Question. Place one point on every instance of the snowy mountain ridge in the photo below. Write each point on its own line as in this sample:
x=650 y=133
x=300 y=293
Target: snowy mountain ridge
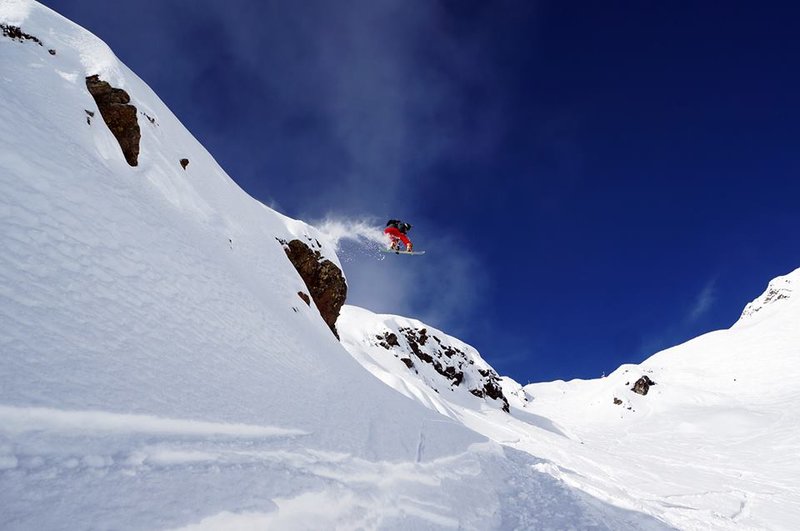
x=779 y=289
x=422 y=362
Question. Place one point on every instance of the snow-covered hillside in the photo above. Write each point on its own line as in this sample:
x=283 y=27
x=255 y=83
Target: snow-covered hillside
x=157 y=366
x=421 y=362
x=713 y=444
x=717 y=433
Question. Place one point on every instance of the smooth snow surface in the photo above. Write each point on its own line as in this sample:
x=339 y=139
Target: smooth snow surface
x=157 y=367
x=714 y=444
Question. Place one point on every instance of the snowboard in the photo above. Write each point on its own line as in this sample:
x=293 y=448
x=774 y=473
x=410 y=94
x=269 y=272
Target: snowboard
x=401 y=252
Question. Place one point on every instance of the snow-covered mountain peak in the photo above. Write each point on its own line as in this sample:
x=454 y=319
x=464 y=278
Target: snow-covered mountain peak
x=778 y=294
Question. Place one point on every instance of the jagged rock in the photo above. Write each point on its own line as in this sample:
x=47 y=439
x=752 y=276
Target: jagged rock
x=617 y=401
x=642 y=385
x=323 y=279
x=493 y=390
x=15 y=33
x=414 y=339
x=779 y=289
x=184 y=163
x=417 y=339
x=388 y=340
x=446 y=360
x=422 y=337
x=305 y=297
x=119 y=115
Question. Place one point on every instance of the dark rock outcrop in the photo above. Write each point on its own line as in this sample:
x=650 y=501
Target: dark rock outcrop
x=184 y=163
x=417 y=339
x=642 y=385
x=305 y=297
x=323 y=279
x=447 y=360
x=15 y=33
x=492 y=389
x=119 y=115
x=388 y=340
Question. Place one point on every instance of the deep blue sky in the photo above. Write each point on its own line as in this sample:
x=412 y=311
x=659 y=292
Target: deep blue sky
x=593 y=181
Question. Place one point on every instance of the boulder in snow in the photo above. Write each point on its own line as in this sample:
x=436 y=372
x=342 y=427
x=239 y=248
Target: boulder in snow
x=642 y=385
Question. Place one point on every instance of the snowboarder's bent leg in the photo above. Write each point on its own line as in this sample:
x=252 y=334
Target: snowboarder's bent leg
x=395 y=234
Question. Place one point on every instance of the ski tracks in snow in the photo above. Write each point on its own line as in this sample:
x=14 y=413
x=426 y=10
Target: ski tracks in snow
x=18 y=420
x=48 y=442
x=102 y=470
x=57 y=467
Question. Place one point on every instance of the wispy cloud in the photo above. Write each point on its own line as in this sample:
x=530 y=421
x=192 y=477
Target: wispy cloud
x=362 y=95
x=684 y=327
x=704 y=301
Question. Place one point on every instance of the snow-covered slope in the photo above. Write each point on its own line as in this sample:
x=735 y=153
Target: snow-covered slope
x=714 y=443
x=779 y=289
x=421 y=362
x=157 y=367
x=717 y=433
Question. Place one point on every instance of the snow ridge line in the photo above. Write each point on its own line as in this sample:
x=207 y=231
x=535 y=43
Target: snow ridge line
x=16 y=420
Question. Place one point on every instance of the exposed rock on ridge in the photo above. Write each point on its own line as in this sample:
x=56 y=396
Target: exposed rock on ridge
x=324 y=280
x=15 y=33
x=449 y=361
x=119 y=115
x=780 y=288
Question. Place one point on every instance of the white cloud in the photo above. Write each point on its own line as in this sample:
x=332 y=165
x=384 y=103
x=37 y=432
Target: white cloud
x=705 y=299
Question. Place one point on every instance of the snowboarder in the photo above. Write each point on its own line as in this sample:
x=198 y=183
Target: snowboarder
x=396 y=230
